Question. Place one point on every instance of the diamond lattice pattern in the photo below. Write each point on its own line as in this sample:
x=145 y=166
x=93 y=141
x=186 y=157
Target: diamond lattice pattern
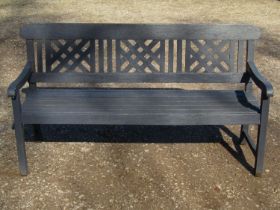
x=70 y=55
x=140 y=56
x=209 y=56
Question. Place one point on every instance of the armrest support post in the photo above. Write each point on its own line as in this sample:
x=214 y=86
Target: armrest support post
x=259 y=80
x=20 y=80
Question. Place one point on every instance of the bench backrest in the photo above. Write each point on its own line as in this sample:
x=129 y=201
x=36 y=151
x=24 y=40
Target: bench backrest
x=139 y=53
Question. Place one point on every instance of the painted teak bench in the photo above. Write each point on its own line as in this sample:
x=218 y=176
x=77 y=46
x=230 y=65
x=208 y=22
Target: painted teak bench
x=131 y=53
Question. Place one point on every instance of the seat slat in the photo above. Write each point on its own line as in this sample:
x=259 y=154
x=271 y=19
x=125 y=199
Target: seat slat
x=137 y=110
x=132 y=106
x=163 y=119
x=179 y=94
x=136 y=77
x=123 y=102
x=145 y=104
x=157 y=101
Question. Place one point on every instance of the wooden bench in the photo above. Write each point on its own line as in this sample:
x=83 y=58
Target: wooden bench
x=130 y=53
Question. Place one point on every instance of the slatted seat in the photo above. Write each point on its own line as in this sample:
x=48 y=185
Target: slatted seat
x=139 y=107
x=138 y=53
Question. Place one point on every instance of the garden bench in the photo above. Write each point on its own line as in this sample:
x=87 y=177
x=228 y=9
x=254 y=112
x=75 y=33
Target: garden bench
x=132 y=53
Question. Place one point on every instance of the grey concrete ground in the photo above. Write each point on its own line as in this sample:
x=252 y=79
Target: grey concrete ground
x=138 y=167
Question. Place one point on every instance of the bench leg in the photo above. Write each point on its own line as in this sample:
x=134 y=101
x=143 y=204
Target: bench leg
x=21 y=149
x=244 y=128
x=260 y=149
x=19 y=131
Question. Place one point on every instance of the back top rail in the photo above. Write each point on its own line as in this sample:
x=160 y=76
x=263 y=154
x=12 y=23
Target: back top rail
x=139 y=31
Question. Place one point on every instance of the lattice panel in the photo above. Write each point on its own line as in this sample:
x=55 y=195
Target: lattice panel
x=68 y=55
x=209 y=56
x=141 y=56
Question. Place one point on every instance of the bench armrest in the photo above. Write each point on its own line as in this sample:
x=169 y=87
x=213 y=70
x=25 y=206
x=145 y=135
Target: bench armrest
x=259 y=79
x=20 y=80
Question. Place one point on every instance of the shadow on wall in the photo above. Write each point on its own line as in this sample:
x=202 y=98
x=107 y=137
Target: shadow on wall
x=141 y=134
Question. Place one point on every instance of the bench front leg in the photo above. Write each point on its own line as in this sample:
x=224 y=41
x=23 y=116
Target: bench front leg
x=262 y=127
x=19 y=131
x=254 y=75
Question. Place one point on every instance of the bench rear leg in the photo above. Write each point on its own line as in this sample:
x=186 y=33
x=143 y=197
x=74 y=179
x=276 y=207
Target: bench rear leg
x=244 y=128
x=19 y=131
